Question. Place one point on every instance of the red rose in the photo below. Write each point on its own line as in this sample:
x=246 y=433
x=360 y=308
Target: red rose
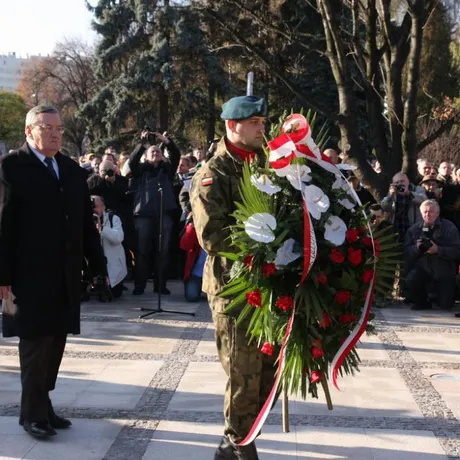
x=248 y=261
x=342 y=297
x=355 y=256
x=326 y=322
x=317 y=352
x=337 y=256
x=267 y=349
x=352 y=235
x=268 y=270
x=321 y=277
x=367 y=241
x=254 y=298
x=285 y=302
x=315 y=377
x=368 y=275
x=347 y=318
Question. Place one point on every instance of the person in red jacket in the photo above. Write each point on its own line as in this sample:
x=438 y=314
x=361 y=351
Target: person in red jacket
x=194 y=265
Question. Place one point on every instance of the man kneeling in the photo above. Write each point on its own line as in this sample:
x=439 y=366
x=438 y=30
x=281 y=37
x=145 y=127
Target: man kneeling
x=111 y=231
x=432 y=251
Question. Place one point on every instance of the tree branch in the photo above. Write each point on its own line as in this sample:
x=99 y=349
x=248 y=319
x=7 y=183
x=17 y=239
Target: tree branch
x=441 y=130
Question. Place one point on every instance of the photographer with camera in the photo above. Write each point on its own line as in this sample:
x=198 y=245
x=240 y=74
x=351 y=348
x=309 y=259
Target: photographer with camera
x=432 y=249
x=109 y=227
x=403 y=201
x=154 y=206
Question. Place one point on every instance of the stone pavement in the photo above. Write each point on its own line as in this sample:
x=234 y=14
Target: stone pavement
x=153 y=390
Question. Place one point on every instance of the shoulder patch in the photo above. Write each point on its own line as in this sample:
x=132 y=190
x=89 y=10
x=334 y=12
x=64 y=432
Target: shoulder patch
x=207 y=181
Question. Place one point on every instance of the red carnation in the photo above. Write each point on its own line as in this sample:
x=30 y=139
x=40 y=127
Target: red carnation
x=326 y=322
x=248 y=261
x=342 y=297
x=355 y=256
x=267 y=349
x=254 y=298
x=347 y=318
x=337 y=256
x=352 y=235
x=321 y=277
x=268 y=270
x=317 y=352
x=315 y=377
x=367 y=241
x=285 y=302
x=368 y=275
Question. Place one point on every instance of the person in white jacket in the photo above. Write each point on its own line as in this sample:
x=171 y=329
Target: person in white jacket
x=111 y=231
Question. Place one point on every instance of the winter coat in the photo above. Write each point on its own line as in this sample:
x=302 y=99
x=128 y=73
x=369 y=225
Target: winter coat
x=46 y=229
x=189 y=243
x=112 y=238
x=442 y=265
x=149 y=178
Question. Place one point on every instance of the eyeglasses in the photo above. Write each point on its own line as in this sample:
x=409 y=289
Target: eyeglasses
x=49 y=128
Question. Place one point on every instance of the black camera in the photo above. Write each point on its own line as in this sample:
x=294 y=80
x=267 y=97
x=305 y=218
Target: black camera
x=109 y=173
x=401 y=188
x=426 y=242
x=151 y=138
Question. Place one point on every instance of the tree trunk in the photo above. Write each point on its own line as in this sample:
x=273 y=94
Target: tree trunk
x=163 y=98
x=211 y=113
x=409 y=137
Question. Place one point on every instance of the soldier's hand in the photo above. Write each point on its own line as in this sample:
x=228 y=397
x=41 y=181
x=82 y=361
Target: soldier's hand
x=5 y=292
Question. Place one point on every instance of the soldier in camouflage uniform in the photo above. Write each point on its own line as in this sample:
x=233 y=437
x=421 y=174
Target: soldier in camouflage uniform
x=214 y=192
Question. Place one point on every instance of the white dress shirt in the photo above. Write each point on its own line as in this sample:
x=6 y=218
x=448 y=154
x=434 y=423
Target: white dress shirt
x=42 y=157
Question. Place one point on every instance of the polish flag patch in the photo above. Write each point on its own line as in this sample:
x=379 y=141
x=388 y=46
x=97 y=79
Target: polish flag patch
x=207 y=181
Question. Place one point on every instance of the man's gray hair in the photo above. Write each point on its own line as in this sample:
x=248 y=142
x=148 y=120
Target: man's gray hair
x=432 y=203
x=32 y=114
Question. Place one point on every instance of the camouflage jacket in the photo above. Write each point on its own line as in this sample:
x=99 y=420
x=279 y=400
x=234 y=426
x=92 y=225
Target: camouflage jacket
x=215 y=188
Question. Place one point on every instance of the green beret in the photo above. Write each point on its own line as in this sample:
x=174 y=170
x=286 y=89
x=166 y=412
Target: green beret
x=242 y=107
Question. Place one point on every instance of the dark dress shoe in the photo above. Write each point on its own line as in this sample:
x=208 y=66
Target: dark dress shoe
x=138 y=291
x=229 y=451
x=59 y=423
x=39 y=430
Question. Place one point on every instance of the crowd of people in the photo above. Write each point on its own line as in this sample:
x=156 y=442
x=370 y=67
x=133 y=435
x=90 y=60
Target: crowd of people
x=142 y=209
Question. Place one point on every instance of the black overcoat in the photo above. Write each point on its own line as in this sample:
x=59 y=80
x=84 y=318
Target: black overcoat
x=46 y=229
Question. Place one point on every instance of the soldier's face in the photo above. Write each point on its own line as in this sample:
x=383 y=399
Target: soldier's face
x=250 y=132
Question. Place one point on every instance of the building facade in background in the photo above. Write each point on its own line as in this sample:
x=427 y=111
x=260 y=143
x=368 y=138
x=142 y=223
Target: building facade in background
x=11 y=67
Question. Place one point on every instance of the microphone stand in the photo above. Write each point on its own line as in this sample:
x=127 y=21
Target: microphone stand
x=153 y=311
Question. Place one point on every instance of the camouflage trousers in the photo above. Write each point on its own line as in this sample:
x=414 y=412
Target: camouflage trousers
x=250 y=373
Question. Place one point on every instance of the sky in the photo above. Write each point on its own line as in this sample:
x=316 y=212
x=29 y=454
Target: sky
x=34 y=27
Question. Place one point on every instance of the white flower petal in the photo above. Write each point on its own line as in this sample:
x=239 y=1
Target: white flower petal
x=347 y=204
x=296 y=171
x=260 y=227
x=335 y=230
x=317 y=201
x=285 y=254
x=264 y=184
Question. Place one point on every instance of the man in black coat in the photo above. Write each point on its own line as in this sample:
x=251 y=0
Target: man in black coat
x=46 y=229
x=154 y=196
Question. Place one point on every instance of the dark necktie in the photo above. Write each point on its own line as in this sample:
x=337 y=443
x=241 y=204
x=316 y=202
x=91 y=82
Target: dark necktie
x=49 y=165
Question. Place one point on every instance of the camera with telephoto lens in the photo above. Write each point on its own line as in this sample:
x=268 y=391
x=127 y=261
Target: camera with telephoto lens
x=426 y=242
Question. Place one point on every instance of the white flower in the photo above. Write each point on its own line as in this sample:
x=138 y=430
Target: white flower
x=260 y=227
x=346 y=203
x=297 y=175
x=317 y=201
x=285 y=254
x=335 y=230
x=341 y=184
x=264 y=184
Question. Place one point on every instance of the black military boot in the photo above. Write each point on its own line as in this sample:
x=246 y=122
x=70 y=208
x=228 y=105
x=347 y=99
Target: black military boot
x=228 y=451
